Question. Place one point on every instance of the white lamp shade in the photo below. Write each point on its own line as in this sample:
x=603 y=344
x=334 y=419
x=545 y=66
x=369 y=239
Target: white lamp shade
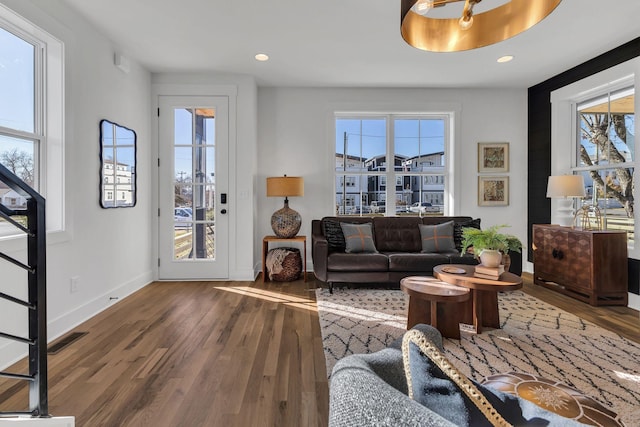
x=565 y=186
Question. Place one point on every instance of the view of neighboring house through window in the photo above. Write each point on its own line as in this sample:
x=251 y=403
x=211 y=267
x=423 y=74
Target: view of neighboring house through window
x=407 y=151
x=31 y=114
x=606 y=158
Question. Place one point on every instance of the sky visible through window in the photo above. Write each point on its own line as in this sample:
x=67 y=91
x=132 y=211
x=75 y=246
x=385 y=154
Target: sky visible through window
x=17 y=105
x=16 y=82
x=367 y=137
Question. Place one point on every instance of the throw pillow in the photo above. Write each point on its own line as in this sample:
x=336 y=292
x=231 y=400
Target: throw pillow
x=358 y=238
x=334 y=235
x=435 y=383
x=437 y=238
x=457 y=231
x=554 y=396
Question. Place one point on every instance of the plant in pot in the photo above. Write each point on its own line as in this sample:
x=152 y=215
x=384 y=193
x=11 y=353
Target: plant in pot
x=490 y=246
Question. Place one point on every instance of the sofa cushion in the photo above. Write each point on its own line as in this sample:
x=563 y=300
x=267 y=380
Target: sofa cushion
x=411 y=262
x=457 y=231
x=358 y=238
x=364 y=262
x=333 y=232
x=397 y=234
x=435 y=383
x=437 y=238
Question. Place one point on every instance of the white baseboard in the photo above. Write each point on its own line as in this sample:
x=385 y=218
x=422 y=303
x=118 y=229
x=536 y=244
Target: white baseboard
x=39 y=422
x=634 y=301
x=62 y=324
x=12 y=352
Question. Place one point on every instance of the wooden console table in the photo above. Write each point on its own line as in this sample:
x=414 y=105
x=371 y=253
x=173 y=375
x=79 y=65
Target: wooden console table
x=588 y=265
x=265 y=248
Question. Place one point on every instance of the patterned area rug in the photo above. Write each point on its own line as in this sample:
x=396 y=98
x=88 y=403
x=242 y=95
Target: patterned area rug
x=535 y=338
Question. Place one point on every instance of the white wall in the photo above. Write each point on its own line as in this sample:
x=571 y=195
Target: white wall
x=296 y=137
x=109 y=250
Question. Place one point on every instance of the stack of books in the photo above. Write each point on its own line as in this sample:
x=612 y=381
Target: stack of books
x=485 y=272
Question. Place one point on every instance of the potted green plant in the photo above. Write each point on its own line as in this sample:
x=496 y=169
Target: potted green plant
x=490 y=246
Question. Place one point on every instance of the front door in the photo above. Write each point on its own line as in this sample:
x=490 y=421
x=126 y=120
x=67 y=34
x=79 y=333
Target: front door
x=193 y=184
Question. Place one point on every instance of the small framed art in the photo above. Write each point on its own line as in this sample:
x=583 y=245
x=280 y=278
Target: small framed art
x=493 y=157
x=493 y=191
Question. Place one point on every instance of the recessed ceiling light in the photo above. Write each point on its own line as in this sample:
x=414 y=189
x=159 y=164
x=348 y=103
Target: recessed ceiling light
x=505 y=58
x=262 y=57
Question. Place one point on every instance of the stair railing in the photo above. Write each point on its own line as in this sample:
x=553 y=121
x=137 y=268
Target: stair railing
x=35 y=230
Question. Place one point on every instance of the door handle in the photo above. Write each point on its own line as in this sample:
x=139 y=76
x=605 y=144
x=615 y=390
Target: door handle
x=223 y=211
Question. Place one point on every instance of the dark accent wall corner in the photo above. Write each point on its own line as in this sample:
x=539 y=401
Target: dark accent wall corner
x=634 y=276
x=539 y=136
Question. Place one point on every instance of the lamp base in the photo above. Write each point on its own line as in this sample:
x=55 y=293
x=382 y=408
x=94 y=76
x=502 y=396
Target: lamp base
x=564 y=212
x=286 y=222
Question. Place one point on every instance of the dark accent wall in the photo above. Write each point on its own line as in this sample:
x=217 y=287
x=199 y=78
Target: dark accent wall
x=539 y=138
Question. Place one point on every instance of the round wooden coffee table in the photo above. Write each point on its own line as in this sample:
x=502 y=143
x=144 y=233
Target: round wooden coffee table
x=484 y=291
x=440 y=311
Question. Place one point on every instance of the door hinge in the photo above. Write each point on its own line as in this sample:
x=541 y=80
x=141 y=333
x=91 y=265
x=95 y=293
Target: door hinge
x=158 y=262
x=158 y=161
x=158 y=111
x=158 y=211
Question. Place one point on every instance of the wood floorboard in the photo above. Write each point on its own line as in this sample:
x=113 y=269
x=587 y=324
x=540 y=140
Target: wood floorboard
x=215 y=354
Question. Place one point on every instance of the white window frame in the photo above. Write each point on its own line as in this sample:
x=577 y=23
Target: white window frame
x=49 y=112
x=390 y=175
x=564 y=126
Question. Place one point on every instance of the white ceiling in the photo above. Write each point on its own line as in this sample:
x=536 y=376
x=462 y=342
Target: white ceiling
x=348 y=43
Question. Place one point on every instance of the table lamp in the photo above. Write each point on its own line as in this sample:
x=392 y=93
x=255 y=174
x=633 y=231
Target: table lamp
x=285 y=222
x=564 y=188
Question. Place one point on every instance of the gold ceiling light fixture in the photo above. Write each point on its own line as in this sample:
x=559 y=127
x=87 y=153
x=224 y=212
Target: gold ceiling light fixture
x=469 y=30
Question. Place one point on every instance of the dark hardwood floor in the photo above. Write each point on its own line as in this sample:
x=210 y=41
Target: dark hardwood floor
x=214 y=354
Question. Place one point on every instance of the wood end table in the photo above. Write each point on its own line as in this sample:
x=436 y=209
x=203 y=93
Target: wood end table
x=434 y=302
x=265 y=248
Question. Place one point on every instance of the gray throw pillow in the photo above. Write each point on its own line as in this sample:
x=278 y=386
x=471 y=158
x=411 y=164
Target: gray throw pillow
x=358 y=238
x=437 y=238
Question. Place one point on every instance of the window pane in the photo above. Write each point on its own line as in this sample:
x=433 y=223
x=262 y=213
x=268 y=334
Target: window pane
x=607 y=129
x=419 y=141
x=19 y=156
x=349 y=191
x=611 y=191
x=422 y=194
x=360 y=141
x=17 y=109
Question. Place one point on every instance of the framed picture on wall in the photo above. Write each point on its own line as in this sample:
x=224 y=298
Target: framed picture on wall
x=493 y=157
x=493 y=191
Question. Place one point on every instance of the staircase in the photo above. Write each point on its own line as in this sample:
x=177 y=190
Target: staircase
x=30 y=222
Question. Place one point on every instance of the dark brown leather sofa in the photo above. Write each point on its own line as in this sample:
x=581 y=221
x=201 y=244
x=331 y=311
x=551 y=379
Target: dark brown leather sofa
x=399 y=246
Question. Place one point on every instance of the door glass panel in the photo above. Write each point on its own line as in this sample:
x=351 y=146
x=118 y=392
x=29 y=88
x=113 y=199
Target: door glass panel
x=194 y=184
